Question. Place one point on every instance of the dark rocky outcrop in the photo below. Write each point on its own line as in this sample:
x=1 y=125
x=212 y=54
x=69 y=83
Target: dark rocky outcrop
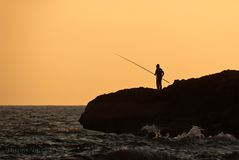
x=210 y=102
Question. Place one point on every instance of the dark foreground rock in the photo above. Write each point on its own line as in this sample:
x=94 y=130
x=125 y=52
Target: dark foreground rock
x=210 y=102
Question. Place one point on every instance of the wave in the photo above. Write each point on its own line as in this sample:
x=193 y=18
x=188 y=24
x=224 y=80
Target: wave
x=154 y=132
x=195 y=132
x=226 y=136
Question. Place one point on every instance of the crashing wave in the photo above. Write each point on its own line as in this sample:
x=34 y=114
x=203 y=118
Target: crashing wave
x=195 y=132
x=152 y=131
x=226 y=136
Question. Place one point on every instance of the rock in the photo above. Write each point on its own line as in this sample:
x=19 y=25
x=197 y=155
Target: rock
x=210 y=102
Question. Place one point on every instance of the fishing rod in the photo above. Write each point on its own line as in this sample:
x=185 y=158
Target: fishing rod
x=137 y=65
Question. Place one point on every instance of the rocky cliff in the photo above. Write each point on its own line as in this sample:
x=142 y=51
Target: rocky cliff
x=211 y=102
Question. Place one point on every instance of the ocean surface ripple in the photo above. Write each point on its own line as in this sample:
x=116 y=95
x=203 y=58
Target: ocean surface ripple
x=34 y=132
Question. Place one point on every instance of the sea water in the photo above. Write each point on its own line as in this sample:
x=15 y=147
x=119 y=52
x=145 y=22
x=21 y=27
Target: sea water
x=51 y=132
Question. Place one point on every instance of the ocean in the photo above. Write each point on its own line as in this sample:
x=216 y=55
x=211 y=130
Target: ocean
x=53 y=132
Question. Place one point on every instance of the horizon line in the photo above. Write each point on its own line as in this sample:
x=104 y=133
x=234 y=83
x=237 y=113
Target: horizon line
x=42 y=105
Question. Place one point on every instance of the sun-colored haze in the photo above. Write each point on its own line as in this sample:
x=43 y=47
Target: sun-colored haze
x=59 y=51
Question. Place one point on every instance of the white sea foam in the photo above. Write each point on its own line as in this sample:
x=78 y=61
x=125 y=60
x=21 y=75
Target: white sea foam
x=194 y=132
x=226 y=136
x=152 y=129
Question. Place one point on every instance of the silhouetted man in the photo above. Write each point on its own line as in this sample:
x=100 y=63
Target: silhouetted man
x=159 y=76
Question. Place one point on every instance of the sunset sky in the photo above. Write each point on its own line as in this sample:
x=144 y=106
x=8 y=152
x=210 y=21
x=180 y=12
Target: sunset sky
x=59 y=52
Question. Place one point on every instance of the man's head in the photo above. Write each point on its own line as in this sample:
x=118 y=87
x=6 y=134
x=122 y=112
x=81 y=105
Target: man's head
x=157 y=66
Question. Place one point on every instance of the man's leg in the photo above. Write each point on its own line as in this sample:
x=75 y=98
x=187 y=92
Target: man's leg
x=160 y=83
x=157 y=84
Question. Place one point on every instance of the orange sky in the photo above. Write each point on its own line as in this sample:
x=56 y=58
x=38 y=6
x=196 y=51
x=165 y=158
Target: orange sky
x=59 y=51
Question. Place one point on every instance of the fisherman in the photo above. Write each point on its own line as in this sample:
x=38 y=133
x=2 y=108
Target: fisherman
x=159 y=72
x=159 y=76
